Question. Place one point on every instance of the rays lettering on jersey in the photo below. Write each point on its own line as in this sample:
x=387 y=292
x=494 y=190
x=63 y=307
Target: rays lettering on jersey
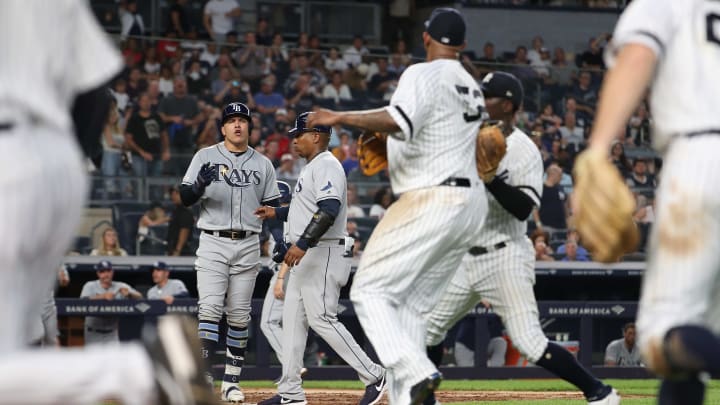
x=235 y=177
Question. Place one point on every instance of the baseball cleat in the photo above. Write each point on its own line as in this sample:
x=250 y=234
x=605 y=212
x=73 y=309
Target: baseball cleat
x=609 y=396
x=233 y=394
x=374 y=392
x=420 y=391
x=430 y=400
x=174 y=349
x=280 y=400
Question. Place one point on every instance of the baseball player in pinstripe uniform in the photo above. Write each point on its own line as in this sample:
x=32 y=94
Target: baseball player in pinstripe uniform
x=316 y=219
x=500 y=268
x=231 y=180
x=673 y=46
x=417 y=246
x=55 y=62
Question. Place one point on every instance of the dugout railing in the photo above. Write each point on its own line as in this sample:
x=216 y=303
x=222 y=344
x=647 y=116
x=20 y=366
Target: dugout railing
x=588 y=313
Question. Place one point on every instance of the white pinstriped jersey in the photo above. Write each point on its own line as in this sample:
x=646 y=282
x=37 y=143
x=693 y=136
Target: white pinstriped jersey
x=438 y=107
x=521 y=167
x=685 y=36
x=241 y=185
x=321 y=179
x=51 y=52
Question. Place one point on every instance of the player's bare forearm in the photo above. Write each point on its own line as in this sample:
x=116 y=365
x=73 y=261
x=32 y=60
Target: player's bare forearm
x=622 y=90
x=373 y=120
x=284 y=269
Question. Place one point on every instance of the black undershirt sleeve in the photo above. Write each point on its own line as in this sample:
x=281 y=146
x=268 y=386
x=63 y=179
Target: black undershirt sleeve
x=514 y=200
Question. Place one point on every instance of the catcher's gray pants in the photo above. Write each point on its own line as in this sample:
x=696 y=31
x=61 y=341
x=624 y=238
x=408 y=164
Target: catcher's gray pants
x=226 y=268
x=312 y=300
x=271 y=317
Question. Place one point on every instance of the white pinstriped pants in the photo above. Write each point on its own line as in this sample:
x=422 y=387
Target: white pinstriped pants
x=409 y=260
x=681 y=285
x=505 y=278
x=44 y=186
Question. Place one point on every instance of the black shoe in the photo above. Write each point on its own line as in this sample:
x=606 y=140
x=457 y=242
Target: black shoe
x=420 y=391
x=174 y=348
x=374 y=392
x=279 y=400
x=430 y=400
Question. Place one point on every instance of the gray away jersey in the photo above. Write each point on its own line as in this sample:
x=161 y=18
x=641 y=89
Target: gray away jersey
x=617 y=351
x=321 y=179
x=92 y=288
x=242 y=184
x=521 y=167
x=172 y=288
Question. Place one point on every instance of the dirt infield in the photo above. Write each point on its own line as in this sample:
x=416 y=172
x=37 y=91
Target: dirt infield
x=352 y=397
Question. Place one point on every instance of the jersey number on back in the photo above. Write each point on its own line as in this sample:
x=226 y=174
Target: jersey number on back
x=712 y=19
x=465 y=92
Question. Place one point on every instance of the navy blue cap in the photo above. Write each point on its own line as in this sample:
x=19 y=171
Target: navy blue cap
x=103 y=265
x=285 y=194
x=160 y=265
x=503 y=85
x=235 y=109
x=447 y=26
x=301 y=126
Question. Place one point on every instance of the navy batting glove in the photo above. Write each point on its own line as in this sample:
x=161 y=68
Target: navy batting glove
x=279 y=251
x=205 y=176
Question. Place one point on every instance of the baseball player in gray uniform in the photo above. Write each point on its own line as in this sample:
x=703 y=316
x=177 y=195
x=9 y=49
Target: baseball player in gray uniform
x=231 y=180
x=52 y=94
x=624 y=352
x=433 y=121
x=500 y=268
x=316 y=228
x=100 y=328
x=271 y=317
x=165 y=288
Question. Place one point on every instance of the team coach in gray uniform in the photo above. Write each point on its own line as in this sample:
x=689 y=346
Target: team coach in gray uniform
x=231 y=180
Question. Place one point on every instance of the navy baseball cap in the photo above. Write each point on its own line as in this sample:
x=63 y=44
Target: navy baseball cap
x=301 y=126
x=503 y=85
x=160 y=266
x=103 y=265
x=285 y=195
x=447 y=26
x=235 y=110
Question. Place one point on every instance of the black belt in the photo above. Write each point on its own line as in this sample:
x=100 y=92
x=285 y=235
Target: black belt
x=100 y=330
x=234 y=235
x=6 y=126
x=456 y=182
x=479 y=250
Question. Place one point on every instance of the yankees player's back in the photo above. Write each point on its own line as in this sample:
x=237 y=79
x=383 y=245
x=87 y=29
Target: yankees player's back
x=436 y=137
x=681 y=33
x=243 y=181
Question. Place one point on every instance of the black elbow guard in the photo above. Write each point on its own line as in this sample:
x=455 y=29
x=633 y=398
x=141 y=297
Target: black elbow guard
x=320 y=223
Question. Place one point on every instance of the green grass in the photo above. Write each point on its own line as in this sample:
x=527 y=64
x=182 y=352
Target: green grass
x=627 y=387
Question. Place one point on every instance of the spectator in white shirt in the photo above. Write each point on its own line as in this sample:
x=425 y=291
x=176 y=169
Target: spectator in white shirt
x=570 y=132
x=336 y=89
x=353 y=209
x=219 y=18
x=131 y=21
x=353 y=54
x=334 y=62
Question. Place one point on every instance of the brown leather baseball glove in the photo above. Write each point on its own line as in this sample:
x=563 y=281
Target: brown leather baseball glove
x=491 y=148
x=603 y=208
x=372 y=152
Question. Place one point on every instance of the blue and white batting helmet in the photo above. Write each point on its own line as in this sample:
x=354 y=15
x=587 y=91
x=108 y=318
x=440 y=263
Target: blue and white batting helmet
x=285 y=194
x=236 y=109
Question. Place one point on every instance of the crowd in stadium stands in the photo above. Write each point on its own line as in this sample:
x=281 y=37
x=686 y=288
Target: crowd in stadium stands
x=168 y=100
